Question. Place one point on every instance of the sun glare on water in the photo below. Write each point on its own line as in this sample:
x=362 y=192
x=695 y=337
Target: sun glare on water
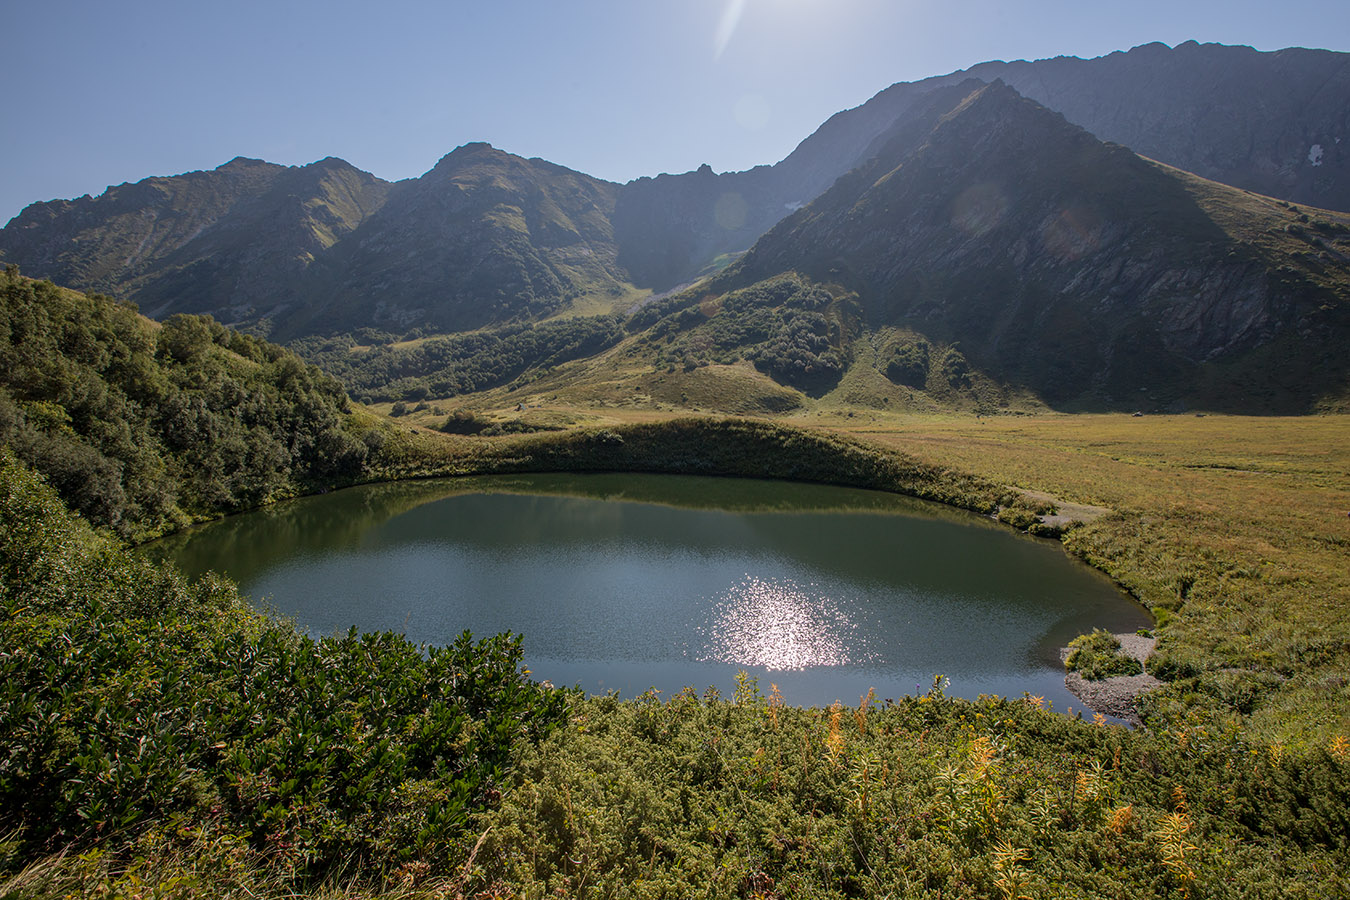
x=780 y=625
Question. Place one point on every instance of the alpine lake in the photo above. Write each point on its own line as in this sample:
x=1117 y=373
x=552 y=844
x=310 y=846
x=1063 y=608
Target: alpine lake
x=626 y=583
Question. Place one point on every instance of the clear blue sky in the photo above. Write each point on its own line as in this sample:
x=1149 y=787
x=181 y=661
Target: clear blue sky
x=99 y=92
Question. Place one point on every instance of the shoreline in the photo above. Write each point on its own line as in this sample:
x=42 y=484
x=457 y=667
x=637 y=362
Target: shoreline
x=1116 y=696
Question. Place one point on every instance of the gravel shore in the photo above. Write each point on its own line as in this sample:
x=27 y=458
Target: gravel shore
x=1116 y=696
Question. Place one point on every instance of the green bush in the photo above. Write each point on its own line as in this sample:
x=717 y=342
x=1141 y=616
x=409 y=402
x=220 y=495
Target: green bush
x=908 y=365
x=1097 y=655
x=131 y=699
x=142 y=427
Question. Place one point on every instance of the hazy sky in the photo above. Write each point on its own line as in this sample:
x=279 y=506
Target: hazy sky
x=99 y=92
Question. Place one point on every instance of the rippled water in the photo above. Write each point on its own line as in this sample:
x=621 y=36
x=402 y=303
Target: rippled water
x=631 y=582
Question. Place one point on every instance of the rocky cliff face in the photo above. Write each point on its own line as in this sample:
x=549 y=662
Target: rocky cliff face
x=1060 y=263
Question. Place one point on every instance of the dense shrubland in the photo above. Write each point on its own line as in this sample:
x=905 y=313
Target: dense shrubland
x=135 y=705
x=924 y=796
x=790 y=329
x=143 y=427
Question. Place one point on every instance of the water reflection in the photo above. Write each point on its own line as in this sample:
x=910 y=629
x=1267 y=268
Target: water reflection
x=775 y=625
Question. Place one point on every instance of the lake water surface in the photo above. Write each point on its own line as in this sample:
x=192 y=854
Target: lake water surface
x=628 y=582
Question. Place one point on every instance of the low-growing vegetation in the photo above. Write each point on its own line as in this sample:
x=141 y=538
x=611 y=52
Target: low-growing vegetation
x=918 y=797
x=790 y=329
x=1097 y=655
x=1233 y=531
x=453 y=364
x=142 y=716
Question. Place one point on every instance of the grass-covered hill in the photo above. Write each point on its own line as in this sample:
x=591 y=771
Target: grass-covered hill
x=145 y=426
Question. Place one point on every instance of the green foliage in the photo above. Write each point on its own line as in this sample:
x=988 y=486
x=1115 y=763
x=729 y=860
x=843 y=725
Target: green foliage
x=1097 y=655
x=953 y=368
x=455 y=364
x=462 y=421
x=789 y=328
x=705 y=446
x=143 y=427
x=908 y=365
x=130 y=699
x=918 y=796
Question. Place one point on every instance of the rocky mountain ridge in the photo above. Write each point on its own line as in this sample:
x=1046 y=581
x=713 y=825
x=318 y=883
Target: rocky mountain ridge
x=239 y=241
x=1064 y=264
x=961 y=210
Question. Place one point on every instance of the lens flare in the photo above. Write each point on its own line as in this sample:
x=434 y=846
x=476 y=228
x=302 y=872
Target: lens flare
x=979 y=209
x=726 y=26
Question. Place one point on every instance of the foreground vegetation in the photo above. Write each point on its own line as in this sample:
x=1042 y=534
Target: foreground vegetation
x=170 y=743
x=159 y=739
x=142 y=716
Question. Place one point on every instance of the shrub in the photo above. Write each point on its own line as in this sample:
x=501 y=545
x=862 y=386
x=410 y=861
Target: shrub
x=909 y=364
x=1097 y=655
x=132 y=700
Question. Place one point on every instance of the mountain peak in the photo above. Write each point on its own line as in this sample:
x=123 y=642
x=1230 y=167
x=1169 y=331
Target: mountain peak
x=242 y=162
x=469 y=154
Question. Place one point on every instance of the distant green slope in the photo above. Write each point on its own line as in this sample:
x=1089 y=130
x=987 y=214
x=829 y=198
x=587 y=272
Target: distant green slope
x=143 y=427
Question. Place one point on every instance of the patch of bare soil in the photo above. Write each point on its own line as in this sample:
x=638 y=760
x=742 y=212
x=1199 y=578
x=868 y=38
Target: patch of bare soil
x=1066 y=513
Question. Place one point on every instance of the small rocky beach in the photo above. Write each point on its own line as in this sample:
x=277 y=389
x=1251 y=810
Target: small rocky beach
x=1116 y=696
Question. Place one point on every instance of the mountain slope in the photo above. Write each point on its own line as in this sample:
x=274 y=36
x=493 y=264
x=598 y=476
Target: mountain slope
x=1068 y=266
x=227 y=242
x=1235 y=115
x=111 y=241
x=1273 y=122
x=484 y=237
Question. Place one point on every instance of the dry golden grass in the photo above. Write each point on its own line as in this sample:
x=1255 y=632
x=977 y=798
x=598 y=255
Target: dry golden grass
x=1234 y=529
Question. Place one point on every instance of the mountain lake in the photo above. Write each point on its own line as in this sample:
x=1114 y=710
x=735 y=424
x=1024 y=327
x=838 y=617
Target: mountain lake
x=626 y=582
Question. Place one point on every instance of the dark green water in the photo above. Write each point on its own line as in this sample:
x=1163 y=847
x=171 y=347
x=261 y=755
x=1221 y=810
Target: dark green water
x=626 y=582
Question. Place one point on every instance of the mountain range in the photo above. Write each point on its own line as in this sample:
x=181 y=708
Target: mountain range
x=1083 y=230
